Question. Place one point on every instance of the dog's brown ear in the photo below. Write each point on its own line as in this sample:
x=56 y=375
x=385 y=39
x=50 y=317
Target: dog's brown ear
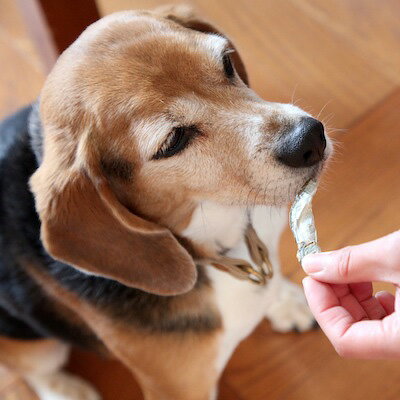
x=84 y=225
x=185 y=16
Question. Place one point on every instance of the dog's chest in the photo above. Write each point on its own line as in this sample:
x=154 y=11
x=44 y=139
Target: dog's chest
x=241 y=304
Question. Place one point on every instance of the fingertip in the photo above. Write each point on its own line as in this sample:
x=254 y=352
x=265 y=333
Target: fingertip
x=387 y=301
x=307 y=260
x=305 y=280
x=314 y=263
x=309 y=282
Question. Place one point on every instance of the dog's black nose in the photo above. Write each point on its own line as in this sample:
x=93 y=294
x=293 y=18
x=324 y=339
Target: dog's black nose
x=304 y=145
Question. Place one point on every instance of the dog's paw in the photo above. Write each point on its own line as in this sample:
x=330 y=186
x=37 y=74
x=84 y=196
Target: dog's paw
x=288 y=309
x=62 y=386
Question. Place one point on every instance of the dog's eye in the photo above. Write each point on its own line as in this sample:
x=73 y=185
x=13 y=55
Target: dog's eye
x=178 y=139
x=228 y=66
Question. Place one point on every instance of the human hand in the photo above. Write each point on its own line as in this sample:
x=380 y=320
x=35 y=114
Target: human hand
x=357 y=323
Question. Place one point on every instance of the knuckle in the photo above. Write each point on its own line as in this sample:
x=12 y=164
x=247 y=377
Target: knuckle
x=344 y=262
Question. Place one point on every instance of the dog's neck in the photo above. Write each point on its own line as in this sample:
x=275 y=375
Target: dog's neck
x=219 y=229
x=216 y=227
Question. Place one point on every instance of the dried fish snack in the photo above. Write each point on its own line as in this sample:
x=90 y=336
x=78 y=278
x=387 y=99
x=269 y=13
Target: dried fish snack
x=301 y=221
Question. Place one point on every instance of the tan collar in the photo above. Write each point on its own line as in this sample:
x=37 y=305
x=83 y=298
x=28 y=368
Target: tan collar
x=242 y=269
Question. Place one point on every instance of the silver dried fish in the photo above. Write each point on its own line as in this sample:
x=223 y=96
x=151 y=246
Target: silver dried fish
x=301 y=221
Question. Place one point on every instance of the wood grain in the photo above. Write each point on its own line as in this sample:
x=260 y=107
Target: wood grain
x=53 y=26
x=368 y=26
x=21 y=77
x=339 y=53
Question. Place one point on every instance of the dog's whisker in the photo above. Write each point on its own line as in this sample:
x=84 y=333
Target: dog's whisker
x=293 y=94
x=323 y=108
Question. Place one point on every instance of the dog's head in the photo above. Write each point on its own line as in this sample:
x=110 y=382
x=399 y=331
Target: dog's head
x=146 y=115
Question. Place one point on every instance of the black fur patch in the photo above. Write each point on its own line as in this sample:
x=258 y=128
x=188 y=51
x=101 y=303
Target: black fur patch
x=14 y=327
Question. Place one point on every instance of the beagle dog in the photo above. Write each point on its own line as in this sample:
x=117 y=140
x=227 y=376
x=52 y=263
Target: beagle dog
x=141 y=203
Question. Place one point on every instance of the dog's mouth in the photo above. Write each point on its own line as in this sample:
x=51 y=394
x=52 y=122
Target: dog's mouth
x=314 y=174
x=316 y=171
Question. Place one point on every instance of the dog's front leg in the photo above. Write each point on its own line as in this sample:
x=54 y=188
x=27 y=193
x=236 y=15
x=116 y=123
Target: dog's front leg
x=287 y=308
x=40 y=363
x=285 y=304
x=171 y=365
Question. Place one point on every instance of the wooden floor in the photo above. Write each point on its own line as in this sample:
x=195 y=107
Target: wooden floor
x=339 y=59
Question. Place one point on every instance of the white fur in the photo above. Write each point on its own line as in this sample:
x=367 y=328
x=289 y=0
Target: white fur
x=214 y=45
x=150 y=133
x=217 y=226
x=62 y=386
x=50 y=383
x=242 y=304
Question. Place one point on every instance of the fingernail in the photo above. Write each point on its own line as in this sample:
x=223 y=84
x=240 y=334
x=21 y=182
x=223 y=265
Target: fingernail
x=313 y=263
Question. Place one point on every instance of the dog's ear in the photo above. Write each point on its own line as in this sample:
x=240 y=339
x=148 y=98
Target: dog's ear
x=185 y=16
x=86 y=226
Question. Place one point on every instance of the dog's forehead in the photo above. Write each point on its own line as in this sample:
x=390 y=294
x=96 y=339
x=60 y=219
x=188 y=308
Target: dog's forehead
x=133 y=28
x=120 y=22
x=133 y=64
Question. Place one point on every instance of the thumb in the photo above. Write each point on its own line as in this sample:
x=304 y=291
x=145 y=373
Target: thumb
x=378 y=260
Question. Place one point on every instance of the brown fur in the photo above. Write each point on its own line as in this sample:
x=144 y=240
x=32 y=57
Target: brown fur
x=182 y=368
x=161 y=264
x=184 y=16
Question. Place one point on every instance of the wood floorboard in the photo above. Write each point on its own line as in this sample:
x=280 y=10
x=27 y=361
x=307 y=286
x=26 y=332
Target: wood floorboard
x=19 y=82
x=368 y=26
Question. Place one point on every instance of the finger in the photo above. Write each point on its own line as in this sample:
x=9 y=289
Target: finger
x=333 y=319
x=358 y=300
x=363 y=292
x=397 y=299
x=370 y=339
x=349 y=301
x=364 y=339
x=378 y=260
x=387 y=301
